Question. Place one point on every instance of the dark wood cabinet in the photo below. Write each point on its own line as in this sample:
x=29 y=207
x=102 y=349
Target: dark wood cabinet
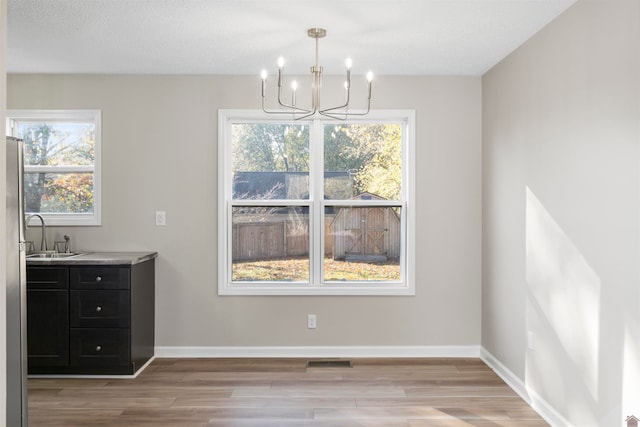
x=48 y=316
x=90 y=319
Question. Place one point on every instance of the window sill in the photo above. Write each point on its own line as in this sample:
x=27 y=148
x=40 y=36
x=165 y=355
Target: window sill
x=326 y=290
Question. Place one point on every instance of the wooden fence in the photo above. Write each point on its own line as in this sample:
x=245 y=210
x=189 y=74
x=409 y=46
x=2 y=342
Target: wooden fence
x=361 y=233
x=275 y=239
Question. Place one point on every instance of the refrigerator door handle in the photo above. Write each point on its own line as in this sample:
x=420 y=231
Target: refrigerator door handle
x=22 y=226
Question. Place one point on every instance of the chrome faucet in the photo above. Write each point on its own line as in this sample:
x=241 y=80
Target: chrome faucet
x=43 y=230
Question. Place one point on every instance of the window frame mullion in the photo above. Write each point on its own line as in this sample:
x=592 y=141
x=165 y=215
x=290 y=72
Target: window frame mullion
x=316 y=141
x=59 y=169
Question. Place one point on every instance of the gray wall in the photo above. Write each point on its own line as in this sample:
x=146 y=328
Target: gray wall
x=159 y=153
x=561 y=211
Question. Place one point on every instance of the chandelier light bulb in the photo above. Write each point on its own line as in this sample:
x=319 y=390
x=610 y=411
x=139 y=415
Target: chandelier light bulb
x=348 y=63
x=369 y=76
x=294 y=85
x=280 y=62
x=263 y=74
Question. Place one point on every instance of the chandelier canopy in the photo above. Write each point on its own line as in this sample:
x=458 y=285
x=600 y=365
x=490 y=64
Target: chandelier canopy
x=340 y=112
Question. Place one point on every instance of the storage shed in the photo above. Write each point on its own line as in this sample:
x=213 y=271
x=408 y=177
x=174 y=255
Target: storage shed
x=367 y=234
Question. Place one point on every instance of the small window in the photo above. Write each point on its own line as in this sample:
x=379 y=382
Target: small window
x=316 y=207
x=61 y=164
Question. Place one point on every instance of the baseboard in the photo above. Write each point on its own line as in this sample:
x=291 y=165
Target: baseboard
x=75 y=376
x=533 y=399
x=322 y=351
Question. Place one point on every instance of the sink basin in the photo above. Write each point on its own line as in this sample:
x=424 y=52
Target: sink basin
x=50 y=255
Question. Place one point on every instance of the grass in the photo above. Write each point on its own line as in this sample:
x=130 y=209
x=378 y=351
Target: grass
x=297 y=269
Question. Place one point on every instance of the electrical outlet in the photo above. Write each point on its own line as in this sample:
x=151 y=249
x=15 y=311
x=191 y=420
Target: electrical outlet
x=312 y=321
x=161 y=218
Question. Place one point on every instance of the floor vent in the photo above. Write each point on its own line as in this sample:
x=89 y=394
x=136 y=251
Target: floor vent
x=329 y=364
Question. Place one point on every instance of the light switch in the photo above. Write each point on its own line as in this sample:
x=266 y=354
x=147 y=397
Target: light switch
x=161 y=218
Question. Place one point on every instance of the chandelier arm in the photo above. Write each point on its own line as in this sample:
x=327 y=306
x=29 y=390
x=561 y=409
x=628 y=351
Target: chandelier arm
x=340 y=107
x=283 y=104
x=311 y=113
x=293 y=113
x=293 y=108
x=346 y=103
x=331 y=112
x=345 y=114
x=332 y=116
x=296 y=109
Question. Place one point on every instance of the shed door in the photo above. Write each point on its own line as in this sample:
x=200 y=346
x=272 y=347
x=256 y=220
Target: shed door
x=367 y=232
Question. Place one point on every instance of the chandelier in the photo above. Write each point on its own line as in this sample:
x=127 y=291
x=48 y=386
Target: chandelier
x=339 y=112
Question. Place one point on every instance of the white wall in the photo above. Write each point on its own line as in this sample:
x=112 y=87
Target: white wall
x=561 y=212
x=159 y=151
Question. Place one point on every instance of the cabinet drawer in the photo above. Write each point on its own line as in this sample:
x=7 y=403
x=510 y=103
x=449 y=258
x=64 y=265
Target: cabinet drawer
x=99 y=278
x=47 y=278
x=99 y=309
x=99 y=347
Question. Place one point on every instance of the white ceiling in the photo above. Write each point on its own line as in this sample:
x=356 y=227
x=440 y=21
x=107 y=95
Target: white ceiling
x=401 y=37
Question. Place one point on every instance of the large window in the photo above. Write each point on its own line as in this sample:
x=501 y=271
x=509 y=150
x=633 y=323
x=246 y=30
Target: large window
x=316 y=207
x=62 y=164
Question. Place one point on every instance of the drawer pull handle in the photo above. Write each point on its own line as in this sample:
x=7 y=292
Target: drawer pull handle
x=98 y=309
x=98 y=279
x=98 y=348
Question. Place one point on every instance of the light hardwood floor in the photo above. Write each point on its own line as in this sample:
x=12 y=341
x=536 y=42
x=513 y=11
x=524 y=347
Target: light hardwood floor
x=285 y=392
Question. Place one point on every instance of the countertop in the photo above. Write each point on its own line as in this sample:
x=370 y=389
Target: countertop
x=96 y=258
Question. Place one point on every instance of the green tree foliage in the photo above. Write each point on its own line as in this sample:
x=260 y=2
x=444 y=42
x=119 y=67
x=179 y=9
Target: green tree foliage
x=382 y=175
x=69 y=193
x=264 y=147
x=58 y=145
x=371 y=153
x=348 y=147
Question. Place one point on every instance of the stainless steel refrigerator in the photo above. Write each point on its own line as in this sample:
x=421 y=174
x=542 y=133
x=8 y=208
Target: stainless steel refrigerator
x=16 y=290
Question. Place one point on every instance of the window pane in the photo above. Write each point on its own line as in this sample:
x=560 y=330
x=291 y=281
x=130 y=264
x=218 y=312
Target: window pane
x=270 y=243
x=362 y=243
x=58 y=192
x=58 y=144
x=362 y=159
x=270 y=161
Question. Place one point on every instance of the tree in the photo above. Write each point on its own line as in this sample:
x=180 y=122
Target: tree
x=58 y=145
x=383 y=174
x=367 y=156
x=265 y=147
x=347 y=147
x=371 y=153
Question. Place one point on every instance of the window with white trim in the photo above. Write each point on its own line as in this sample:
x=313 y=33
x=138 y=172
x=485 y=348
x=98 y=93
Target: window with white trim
x=61 y=163
x=316 y=207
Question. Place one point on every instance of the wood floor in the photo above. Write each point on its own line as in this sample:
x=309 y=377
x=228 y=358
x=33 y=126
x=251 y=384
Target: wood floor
x=284 y=393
